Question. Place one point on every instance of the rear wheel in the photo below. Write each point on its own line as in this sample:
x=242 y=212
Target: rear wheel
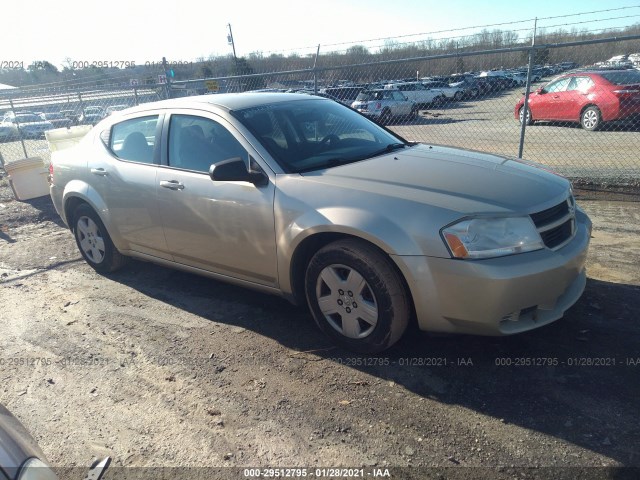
x=94 y=241
x=591 y=119
x=356 y=296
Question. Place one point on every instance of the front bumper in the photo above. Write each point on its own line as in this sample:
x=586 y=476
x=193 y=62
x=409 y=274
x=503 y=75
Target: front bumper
x=499 y=296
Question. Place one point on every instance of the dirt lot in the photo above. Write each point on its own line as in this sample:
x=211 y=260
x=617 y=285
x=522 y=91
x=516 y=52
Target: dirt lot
x=158 y=368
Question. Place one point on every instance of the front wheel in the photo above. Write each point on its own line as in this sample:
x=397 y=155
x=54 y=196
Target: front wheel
x=529 y=120
x=385 y=117
x=591 y=119
x=458 y=96
x=94 y=241
x=356 y=296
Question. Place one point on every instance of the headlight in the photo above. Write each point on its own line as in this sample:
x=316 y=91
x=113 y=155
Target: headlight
x=35 y=469
x=487 y=237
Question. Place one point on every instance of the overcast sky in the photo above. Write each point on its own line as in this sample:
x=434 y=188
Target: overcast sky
x=144 y=30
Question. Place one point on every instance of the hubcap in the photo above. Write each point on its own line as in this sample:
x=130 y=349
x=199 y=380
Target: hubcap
x=590 y=119
x=90 y=239
x=346 y=301
x=522 y=115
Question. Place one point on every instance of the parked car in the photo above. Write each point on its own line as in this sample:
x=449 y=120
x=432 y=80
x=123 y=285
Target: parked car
x=588 y=97
x=469 y=85
x=115 y=108
x=57 y=119
x=92 y=115
x=302 y=197
x=72 y=116
x=345 y=95
x=22 y=459
x=450 y=92
x=29 y=125
x=418 y=93
x=8 y=131
x=384 y=105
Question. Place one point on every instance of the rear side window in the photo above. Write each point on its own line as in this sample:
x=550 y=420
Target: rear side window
x=626 y=77
x=134 y=139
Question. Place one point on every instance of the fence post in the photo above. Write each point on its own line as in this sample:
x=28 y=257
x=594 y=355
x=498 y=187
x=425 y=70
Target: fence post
x=135 y=95
x=525 y=106
x=315 y=72
x=24 y=148
x=81 y=103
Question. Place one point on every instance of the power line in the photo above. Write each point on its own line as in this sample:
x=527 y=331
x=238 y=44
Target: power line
x=458 y=29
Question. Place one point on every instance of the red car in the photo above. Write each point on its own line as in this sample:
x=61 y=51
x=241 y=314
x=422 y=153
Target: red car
x=589 y=97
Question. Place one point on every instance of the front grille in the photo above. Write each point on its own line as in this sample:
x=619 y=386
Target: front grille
x=558 y=235
x=550 y=214
x=556 y=225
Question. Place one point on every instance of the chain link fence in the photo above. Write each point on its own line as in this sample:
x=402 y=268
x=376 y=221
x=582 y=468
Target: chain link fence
x=581 y=119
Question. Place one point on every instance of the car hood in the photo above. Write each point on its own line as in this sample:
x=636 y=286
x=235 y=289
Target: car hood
x=459 y=180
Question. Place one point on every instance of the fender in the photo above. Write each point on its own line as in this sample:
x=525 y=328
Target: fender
x=369 y=226
x=78 y=189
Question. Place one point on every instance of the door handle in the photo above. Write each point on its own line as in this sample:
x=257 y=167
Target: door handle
x=171 y=184
x=99 y=171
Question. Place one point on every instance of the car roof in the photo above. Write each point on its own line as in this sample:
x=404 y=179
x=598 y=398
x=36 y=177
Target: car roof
x=227 y=101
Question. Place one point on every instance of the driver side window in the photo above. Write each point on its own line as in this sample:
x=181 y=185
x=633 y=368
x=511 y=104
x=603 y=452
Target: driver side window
x=195 y=143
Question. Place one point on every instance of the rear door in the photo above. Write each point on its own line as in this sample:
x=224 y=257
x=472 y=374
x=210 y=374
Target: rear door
x=124 y=177
x=576 y=97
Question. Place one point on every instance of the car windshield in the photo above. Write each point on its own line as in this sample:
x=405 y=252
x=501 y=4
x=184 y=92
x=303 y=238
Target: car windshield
x=29 y=118
x=625 y=77
x=370 y=95
x=315 y=134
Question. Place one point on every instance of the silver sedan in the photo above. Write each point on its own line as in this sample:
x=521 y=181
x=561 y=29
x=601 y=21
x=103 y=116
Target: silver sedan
x=305 y=198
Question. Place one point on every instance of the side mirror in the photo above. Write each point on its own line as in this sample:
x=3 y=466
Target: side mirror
x=235 y=170
x=540 y=91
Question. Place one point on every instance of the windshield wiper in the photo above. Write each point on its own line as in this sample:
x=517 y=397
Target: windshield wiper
x=395 y=146
x=389 y=148
x=334 y=162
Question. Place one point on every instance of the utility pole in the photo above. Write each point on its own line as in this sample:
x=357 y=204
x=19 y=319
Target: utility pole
x=233 y=45
x=231 y=42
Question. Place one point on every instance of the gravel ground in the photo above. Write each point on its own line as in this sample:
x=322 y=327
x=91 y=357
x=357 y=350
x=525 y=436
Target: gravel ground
x=159 y=368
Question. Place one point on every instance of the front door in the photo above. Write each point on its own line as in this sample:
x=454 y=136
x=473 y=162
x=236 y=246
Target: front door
x=222 y=227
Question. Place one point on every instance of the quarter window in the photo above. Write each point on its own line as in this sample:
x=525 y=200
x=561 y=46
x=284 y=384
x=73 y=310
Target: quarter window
x=134 y=139
x=195 y=143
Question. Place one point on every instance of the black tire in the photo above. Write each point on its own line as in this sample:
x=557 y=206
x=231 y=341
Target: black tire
x=458 y=96
x=356 y=296
x=94 y=242
x=529 y=120
x=385 y=117
x=414 y=113
x=591 y=119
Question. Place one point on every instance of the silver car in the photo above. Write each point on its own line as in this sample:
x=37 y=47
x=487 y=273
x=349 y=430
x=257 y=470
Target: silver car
x=384 y=105
x=303 y=197
x=21 y=457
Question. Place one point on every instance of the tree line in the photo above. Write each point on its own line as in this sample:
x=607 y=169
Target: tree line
x=46 y=75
